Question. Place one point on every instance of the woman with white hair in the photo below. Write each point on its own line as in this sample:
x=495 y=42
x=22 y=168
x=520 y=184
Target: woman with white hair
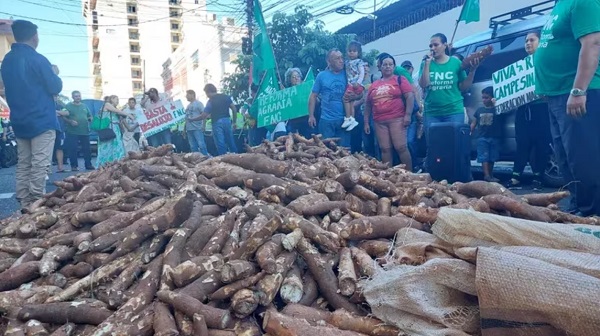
x=293 y=77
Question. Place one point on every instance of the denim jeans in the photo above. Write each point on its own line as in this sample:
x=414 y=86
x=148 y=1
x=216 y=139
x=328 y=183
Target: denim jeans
x=160 y=138
x=197 y=143
x=370 y=143
x=411 y=137
x=577 y=146
x=300 y=126
x=256 y=136
x=333 y=129
x=223 y=135
x=356 y=135
x=72 y=143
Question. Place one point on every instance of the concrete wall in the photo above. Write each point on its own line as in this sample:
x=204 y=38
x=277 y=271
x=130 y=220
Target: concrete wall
x=215 y=43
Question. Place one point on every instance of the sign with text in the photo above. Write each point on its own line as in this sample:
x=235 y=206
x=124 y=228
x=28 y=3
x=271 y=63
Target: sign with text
x=161 y=117
x=514 y=85
x=284 y=105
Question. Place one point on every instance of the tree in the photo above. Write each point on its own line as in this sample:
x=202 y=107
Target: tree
x=236 y=84
x=298 y=41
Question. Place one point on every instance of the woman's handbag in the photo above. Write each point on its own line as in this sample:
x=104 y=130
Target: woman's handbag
x=103 y=126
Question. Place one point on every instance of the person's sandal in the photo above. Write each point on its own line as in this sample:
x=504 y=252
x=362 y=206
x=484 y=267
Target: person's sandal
x=513 y=183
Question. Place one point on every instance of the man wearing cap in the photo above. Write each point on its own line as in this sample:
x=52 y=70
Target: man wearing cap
x=151 y=101
x=30 y=86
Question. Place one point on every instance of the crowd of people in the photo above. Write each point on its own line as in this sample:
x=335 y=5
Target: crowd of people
x=381 y=112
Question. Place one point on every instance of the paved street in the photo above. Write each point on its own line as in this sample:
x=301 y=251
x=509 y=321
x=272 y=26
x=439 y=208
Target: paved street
x=8 y=203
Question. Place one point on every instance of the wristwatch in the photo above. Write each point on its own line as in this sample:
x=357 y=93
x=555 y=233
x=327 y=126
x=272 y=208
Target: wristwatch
x=578 y=92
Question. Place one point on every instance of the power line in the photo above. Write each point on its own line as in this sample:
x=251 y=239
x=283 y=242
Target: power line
x=94 y=25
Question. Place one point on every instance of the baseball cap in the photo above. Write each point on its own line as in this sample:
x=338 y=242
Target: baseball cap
x=406 y=64
x=152 y=90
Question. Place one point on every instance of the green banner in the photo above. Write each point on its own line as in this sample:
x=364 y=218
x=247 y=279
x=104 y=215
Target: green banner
x=284 y=105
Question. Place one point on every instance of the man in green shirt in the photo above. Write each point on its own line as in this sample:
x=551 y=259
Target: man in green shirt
x=77 y=132
x=566 y=70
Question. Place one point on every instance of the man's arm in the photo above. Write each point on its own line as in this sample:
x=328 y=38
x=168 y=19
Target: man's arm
x=51 y=81
x=234 y=113
x=312 y=102
x=588 y=60
x=144 y=100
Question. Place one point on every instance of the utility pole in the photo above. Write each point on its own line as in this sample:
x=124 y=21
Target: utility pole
x=249 y=47
x=250 y=20
x=374 y=20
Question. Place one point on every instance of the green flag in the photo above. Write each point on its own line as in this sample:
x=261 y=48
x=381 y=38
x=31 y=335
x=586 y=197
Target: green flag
x=470 y=11
x=269 y=83
x=263 y=58
x=310 y=76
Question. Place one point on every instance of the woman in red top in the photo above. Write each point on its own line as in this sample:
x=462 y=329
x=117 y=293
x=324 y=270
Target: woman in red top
x=386 y=100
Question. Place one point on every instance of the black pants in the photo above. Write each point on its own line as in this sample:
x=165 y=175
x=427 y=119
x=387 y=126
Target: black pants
x=532 y=130
x=72 y=143
x=580 y=141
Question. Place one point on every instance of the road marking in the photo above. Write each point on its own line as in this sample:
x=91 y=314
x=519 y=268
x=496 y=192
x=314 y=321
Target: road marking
x=6 y=195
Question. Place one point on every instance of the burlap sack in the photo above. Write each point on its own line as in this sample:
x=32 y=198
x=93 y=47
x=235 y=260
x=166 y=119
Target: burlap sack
x=432 y=299
x=463 y=228
x=536 y=291
x=415 y=247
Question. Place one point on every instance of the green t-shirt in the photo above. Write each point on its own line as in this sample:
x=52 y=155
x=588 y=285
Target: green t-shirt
x=443 y=96
x=557 y=56
x=79 y=113
x=400 y=71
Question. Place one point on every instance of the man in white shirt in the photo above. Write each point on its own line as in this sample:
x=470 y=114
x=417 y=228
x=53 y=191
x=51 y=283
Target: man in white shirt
x=133 y=108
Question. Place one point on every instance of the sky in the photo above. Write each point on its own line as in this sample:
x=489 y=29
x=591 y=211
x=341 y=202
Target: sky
x=67 y=45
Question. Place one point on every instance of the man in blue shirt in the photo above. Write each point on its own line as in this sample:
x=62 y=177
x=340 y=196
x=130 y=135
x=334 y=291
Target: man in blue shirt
x=329 y=86
x=30 y=86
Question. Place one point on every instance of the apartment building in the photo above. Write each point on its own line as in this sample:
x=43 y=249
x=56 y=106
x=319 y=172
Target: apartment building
x=6 y=39
x=130 y=39
x=205 y=55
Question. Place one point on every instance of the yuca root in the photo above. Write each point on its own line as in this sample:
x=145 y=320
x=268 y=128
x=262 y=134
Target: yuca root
x=215 y=318
x=377 y=227
x=516 y=208
x=545 y=200
x=346 y=273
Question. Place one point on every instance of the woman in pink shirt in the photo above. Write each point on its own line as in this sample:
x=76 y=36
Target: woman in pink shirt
x=387 y=99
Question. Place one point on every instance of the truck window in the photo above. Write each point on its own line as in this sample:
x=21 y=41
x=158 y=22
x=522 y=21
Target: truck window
x=506 y=51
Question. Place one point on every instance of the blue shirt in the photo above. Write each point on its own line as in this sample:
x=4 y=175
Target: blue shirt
x=330 y=87
x=30 y=87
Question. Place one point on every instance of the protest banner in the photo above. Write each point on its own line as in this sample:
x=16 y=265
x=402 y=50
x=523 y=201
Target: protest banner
x=161 y=117
x=514 y=85
x=284 y=105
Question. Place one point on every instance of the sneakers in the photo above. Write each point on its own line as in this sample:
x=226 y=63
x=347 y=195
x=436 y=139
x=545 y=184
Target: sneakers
x=513 y=183
x=349 y=123
x=491 y=179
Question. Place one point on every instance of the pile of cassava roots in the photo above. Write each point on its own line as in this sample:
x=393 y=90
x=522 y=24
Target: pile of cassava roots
x=274 y=241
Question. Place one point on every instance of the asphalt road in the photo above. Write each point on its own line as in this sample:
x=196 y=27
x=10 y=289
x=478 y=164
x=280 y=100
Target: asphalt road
x=8 y=202
x=9 y=205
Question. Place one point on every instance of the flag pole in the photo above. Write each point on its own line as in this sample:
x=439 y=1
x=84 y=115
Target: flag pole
x=457 y=22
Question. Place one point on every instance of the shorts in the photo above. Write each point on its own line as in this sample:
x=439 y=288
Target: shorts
x=59 y=141
x=487 y=150
x=351 y=89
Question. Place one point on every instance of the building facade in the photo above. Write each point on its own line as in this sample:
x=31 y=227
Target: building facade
x=205 y=56
x=130 y=39
x=6 y=40
x=406 y=36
